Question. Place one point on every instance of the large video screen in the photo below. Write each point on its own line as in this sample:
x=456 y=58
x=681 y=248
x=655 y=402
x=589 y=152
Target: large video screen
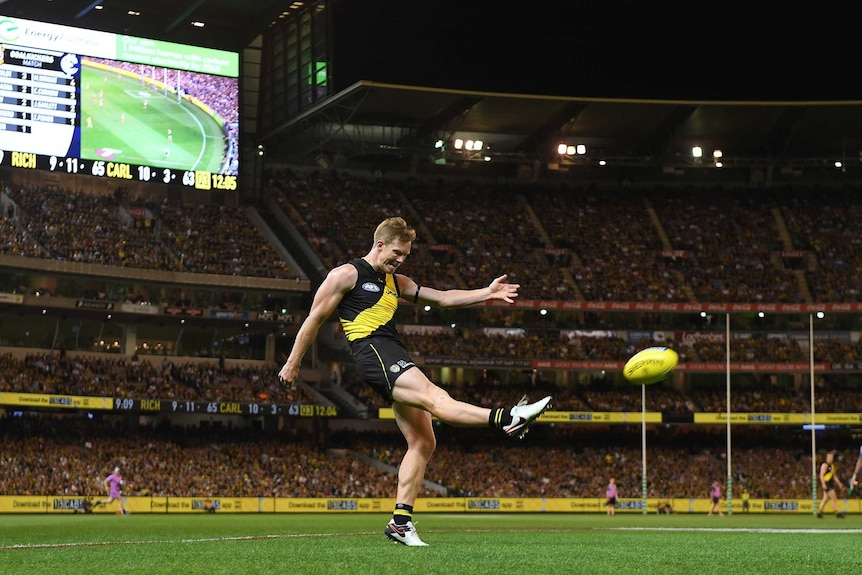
x=88 y=102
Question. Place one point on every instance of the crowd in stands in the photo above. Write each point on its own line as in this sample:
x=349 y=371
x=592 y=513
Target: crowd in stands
x=121 y=377
x=558 y=344
x=573 y=462
x=604 y=395
x=14 y=241
x=730 y=238
x=220 y=240
x=175 y=379
x=71 y=456
x=559 y=243
x=68 y=225
x=596 y=244
x=826 y=232
x=616 y=253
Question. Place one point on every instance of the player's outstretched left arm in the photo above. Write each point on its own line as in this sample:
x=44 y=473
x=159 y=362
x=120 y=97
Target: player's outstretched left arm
x=455 y=298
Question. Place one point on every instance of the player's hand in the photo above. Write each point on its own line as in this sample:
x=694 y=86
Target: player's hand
x=288 y=374
x=500 y=289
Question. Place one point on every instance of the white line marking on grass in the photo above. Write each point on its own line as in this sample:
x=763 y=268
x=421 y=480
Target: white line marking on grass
x=169 y=542
x=657 y=529
x=200 y=128
x=25 y=546
x=728 y=529
x=491 y=516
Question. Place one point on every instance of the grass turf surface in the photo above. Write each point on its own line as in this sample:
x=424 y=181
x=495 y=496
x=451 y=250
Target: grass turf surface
x=459 y=543
x=139 y=135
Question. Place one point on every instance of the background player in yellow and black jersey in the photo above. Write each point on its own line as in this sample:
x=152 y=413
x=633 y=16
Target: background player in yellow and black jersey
x=366 y=292
x=828 y=481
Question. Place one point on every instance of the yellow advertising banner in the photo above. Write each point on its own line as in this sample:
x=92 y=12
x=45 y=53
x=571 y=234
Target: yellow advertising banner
x=66 y=504
x=837 y=418
x=333 y=505
x=751 y=418
x=23 y=504
x=779 y=418
x=203 y=504
x=58 y=401
x=627 y=417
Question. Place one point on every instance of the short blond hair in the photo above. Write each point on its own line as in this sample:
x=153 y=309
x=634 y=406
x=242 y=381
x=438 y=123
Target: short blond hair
x=394 y=229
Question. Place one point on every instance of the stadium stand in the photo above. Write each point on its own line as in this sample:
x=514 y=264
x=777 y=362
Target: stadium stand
x=600 y=239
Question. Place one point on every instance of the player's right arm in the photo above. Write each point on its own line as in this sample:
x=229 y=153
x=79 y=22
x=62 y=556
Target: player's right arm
x=338 y=282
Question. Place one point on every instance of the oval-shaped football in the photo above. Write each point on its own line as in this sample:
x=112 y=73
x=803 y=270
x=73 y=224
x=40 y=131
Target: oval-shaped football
x=650 y=365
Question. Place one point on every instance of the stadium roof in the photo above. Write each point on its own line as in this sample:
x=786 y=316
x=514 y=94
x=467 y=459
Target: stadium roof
x=379 y=123
x=369 y=119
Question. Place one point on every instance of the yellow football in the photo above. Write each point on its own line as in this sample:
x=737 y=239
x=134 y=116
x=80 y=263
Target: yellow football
x=650 y=365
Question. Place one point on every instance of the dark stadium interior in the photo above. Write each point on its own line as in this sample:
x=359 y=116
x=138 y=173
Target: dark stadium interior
x=184 y=300
x=229 y=25
x=783 y=130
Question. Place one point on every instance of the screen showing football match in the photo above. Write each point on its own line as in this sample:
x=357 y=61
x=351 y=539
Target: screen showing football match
x=88 y=102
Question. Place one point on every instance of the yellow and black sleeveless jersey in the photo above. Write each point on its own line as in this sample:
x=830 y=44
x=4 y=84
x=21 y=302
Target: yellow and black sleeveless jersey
x=829 y=476
x=368 y=310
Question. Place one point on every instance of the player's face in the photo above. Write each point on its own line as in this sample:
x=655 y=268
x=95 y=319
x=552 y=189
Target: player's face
x=393 y=254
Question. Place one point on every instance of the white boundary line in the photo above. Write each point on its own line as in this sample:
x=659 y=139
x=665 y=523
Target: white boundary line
x=731 y=529
x=174 y=541
x=367 y=533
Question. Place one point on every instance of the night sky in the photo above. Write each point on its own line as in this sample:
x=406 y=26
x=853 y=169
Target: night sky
x=588 y=49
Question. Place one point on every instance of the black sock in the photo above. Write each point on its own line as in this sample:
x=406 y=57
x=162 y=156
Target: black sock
x=500 y=417
x=402 y=514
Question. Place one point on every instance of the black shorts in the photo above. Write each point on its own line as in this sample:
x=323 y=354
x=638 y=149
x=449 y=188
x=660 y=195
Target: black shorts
x=380 y=362
x=611 y=501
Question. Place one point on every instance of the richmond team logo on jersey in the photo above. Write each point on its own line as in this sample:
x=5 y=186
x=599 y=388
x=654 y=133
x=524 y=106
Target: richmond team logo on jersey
x=371 y=286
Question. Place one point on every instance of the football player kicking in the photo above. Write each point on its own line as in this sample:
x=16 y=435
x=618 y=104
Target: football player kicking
x=365 y=292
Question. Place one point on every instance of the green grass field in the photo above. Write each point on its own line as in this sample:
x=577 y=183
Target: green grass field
x=138 y=135
x=458 y=543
